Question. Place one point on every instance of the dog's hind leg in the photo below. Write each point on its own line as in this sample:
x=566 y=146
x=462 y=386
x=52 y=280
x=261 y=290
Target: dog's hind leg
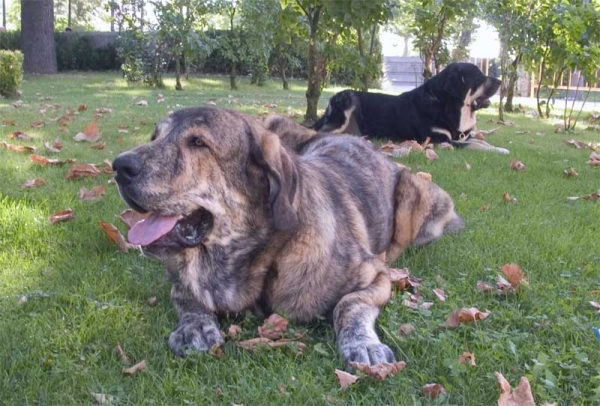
x=473 y=143
x=354 y=316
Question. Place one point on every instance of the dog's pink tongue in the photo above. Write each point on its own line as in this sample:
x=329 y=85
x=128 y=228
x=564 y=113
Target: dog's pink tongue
x=151 y=229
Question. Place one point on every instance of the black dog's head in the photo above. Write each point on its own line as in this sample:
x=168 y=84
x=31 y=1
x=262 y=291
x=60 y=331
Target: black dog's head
x=464 y=84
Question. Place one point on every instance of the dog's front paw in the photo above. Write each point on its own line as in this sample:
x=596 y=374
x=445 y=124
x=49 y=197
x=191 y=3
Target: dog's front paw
x=367 y=352
x=197 y=333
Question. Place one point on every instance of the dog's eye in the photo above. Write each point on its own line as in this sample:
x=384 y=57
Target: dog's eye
x=197 y=142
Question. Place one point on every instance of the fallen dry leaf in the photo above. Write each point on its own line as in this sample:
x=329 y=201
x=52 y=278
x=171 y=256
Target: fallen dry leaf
x=424 y=175
x=504 y=286
x=90 y=133
x=78 y=171
x=514 y=274
x=8 y=122
x=216 y=350
x=113 y=234
x=406 y=329
x=465 y=315
x=37 y=124
x=233 y=330
x=98 y=145
x=270 y=106
x=142 y=103
x=160 y=98
x=55 y=147
x=121 y=353
x=41 y=160
x=139 y=367
x=484 y=287
x=379 y=371
x=107 y=168
x=596 y=305
x=467 y=357
x=63 y=215
x=152 y=301
x=594 y=159
x=17 y=148
x=402 y=279
x=578 y=144
x=591 y=196
x=19 y=135
x=571 y=172
x=508 y=198
x=273 y=327
x=440 y=294
x=253 y=343
x=103 y=110
x=485 y=207
x=94 y=194
x=433 y=390
x=64 y=121
x=521 y=396
x=517 y=165
x=17 y=104
x=130 y=217
x=431 y=155
x=82 y=107
x=445 y=146
x=415 y=301
x=37 y=182
x=345 y=379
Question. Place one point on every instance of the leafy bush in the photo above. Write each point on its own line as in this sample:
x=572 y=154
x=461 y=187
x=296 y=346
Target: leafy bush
x=143 y=60
x=10 y=40
x=11 y=72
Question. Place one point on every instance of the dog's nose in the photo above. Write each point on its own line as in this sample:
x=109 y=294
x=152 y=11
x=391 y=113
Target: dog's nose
x=127 y=167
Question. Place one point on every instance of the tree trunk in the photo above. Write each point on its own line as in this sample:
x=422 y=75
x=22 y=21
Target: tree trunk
x=4 y=14
x=69 y=14
x=315 y=74
x=461 y=52
x=282 y=69
x=233 y=77
x=510 y=89
x=112 y=16
x=405 y=50
x=37 y=36
x=432 y=50
x=178 y=74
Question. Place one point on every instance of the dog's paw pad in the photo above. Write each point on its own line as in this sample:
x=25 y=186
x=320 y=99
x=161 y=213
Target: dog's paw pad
x=194 y=336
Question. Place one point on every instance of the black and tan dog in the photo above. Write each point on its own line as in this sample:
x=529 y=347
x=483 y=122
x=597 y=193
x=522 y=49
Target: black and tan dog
x=244 y=219
x=443 y=109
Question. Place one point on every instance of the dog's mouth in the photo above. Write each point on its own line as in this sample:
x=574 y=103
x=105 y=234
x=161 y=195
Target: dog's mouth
x=480 y=103
x=189 y=231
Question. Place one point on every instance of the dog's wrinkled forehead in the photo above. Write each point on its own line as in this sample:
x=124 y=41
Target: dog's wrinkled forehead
x=178 y=121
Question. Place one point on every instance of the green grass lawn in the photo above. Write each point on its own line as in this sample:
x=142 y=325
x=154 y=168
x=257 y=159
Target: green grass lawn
x=84 y=296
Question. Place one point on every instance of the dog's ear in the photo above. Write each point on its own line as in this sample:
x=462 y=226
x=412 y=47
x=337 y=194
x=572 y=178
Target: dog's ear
x=454 y=81
x=282 y=174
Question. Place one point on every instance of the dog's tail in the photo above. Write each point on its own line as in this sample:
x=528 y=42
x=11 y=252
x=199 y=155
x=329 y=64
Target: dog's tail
x=319 y=123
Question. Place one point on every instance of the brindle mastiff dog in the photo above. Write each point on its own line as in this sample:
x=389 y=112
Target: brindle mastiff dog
x=243 y=222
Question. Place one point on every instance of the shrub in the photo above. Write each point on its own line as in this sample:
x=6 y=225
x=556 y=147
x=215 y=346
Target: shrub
x=11 y=72
x=10 y=40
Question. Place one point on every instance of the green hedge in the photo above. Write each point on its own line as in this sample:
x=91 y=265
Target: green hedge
x=11 y=72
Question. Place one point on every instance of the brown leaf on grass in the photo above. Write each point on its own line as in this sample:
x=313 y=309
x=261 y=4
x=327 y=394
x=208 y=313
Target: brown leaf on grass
x=559 y=128
x=594 y=159
x=465 y=315
x=78 y=171
x=216 y=350
x=395 y=150
x=113 y=234
x=273 y=327
x=37 y=182
x=90 y=133
x=467 y=357
x=63 y=215
x=440 y=294
x=345 y=379
x=37 y=124
x=107 y=168
x=514 y=274
x=94 y=194
x=402 y=279
x=485 y=207
x=445 y=146
x=17 y=148
x=596 y=305
x=82 y=107
x=570 y=173
x=426 y=143
x=379 y=371
x=424 y=175
x=406 y=329
x=506 y=122
x=160 y=98
x=254 y=343
x=142 y=103
x=578 y=144
x=504 y=286
x=55 y=147
x=433 y=390
x=130 y=217
x=521 y=396
x=8 y=122
x=152 y=301
x=591 y=196
x=41 y=160
x=64 y=121
x=484 y=287
x=18 y=135
x=98 y=145
x=121 y=353
x=17 y=104
x=517 y=165
x=233 y=330
x=139 y=367
x=103 y=110
x=508 y=198
x=431 y=155
x=270 y=106
x=415 y=301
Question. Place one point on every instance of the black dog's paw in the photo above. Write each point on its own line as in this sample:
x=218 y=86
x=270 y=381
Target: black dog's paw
x=370 y=353
x=196 y=334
